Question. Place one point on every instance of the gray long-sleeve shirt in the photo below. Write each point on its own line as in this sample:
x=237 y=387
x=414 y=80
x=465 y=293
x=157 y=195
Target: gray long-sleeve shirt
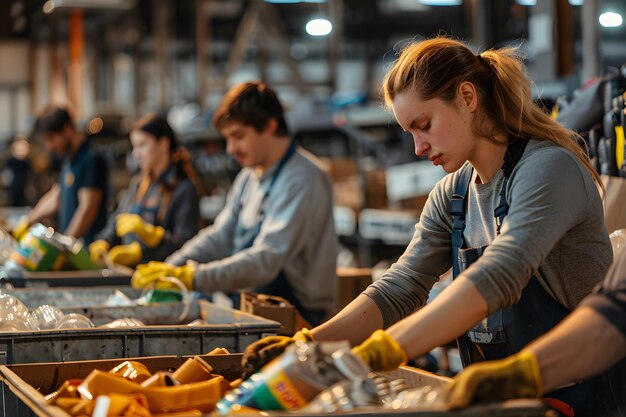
x=554 y=230
x=609 y=297
x=296 y=237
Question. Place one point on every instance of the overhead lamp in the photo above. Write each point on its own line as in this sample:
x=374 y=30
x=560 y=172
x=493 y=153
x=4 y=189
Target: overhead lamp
x=51 y=5
x=528 y=3
x=575 y=2
x=610 y=19
x=319 y=27
x=441 y=2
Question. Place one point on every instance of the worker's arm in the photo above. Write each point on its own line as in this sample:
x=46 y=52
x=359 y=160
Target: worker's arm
x=452 y=313
x=47 y=206
x=89 y=200
x=583 y=345
x=355 y=322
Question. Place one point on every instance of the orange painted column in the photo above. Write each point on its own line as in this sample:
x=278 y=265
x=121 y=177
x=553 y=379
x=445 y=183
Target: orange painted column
x=76 y=49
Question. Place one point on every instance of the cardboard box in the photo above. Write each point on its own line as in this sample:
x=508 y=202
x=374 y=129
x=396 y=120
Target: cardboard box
x=24 y=386
x=375 y=188
x=352 y=282
x=339 y=168
x=273 y=308
x=348 y=192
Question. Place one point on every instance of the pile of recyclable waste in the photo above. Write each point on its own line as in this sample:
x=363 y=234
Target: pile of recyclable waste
x=325 y=378
x=16 y=317
x=313 y=377
x=42 y=249
x=131 y=390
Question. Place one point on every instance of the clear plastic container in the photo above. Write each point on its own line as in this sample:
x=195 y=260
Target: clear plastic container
x=74 y=321
x=47 y=316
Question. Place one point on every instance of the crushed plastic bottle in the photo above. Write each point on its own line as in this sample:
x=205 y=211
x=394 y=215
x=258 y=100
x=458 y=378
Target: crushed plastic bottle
x=296 y=377
x=426 y=396
x=352 y=394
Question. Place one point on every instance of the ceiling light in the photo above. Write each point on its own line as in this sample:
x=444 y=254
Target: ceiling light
x=610 y=19
x=48 y=7
x=526 y=2
x=319 y=27
x=441 y=2
x=575 y=2
x=283 y=1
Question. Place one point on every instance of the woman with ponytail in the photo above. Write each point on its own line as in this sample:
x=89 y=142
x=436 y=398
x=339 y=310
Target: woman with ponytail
x=519 y=219
x=159 y=211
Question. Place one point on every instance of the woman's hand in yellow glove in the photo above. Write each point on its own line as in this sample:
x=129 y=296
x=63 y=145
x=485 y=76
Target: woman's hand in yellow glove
x=98 y=250
x=517 y=376
x=21 y=228
x=128 y=223
x=381 y=352
x=128 y=255
x=152 y=271
x=261 y=352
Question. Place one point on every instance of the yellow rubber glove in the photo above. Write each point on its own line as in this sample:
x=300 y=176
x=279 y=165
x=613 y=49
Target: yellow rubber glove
x=263 y=351
x=98 y=250
x=21 y=228
x=133 y=223
x=517 y=376
x=128 y=255
x=152 y=271
x=381 y=352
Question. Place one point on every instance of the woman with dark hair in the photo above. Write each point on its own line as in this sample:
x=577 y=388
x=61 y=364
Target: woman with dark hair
x=159 y=211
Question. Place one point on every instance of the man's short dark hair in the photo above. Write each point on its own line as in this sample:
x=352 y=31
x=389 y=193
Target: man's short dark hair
x=252 y=104
x=52 y=119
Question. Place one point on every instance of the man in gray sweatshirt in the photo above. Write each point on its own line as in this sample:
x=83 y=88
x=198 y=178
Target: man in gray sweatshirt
x=276 y=233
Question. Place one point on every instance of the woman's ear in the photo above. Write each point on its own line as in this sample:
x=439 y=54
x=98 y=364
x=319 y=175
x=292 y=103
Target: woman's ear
x=468 y=96
x=164 y=144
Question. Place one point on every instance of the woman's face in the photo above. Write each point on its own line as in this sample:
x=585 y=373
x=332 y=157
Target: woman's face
x=148 y=151
x=441 y=130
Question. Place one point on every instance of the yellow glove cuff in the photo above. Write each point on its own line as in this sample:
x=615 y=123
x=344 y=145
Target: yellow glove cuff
x=152 y=235
x=20 y=230
x=527 y=357
x=304 y=335
x=98 y=250
x=186 y=274
x=381 y=352
x=127 y=255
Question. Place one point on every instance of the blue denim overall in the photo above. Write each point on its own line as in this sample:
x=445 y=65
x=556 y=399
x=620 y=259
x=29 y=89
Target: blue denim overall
x=507 y=331
x=245 y=238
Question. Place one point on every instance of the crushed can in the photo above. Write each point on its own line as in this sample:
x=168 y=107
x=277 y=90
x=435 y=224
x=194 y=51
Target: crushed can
x=290 y=381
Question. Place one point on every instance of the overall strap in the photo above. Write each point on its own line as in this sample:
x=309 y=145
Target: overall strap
x=514 y=152
x=458 y=208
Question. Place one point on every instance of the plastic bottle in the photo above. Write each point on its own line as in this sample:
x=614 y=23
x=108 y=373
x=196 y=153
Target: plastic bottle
x=295 y=378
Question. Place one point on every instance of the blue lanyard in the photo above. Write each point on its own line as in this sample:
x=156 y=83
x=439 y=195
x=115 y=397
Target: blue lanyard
x=281 y=164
